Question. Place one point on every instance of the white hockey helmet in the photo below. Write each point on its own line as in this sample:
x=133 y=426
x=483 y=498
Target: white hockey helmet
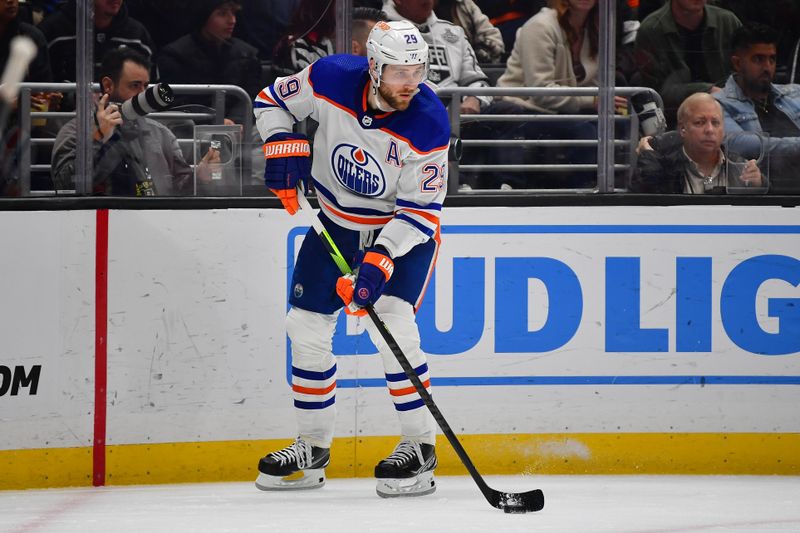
x=396 y=43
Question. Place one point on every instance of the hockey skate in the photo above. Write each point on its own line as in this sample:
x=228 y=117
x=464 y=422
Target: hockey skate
x=277 y=470
x=408 y=471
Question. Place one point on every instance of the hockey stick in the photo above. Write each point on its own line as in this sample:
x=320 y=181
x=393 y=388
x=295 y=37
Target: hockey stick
x=510 y=502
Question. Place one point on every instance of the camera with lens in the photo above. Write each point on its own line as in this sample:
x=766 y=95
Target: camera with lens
x=159 y=97
x=651 y=117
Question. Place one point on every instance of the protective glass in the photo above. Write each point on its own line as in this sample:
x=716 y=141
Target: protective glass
x=403 y=74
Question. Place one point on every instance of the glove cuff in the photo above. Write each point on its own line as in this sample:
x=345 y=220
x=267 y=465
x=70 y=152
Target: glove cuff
x=287 y=148
x=381 y=262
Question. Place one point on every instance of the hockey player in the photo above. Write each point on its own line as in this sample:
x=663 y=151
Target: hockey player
x=379 y=170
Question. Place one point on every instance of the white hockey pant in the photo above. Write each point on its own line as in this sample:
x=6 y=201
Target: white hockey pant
x=313 y=374
x=416 y=422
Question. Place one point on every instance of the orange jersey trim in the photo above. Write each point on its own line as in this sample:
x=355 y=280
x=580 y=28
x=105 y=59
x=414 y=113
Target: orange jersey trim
x=364 y=103
x=408 y=142
x=354 y=218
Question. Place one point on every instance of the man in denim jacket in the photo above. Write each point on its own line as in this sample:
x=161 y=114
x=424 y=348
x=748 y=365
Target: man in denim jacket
x=752 y=103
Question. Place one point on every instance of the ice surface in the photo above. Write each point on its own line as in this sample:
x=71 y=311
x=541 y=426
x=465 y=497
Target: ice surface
x=575 y=504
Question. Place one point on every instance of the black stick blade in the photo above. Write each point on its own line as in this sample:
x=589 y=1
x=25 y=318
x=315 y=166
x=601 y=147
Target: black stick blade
x=518 y=502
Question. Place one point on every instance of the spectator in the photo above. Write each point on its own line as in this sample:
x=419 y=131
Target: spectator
x=10 y=27
x=310 y=36
x=263 y=22
x=38 y=71
x=509 y=15
x=166 y=21
x=781 y=15
x=132 y=157
x=35 y=11
x=364 y=18
x=452 y=61
x=113 y=28
x=753 y=103
x=693 y=161
x=683 y=48
x=211 y=55
x=557 y=47
x=485 y=39
x=648 y=6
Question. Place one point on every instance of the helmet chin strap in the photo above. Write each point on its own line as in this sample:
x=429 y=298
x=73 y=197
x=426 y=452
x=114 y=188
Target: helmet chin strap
x=375 y=98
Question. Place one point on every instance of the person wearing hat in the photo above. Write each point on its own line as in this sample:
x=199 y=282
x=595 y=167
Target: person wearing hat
x=211 y=55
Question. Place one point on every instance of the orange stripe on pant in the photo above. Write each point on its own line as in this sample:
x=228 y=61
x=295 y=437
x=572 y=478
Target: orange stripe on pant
x=316 y=392
x=409 y=390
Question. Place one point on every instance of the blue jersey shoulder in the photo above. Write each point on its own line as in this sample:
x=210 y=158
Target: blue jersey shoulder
x=425 y=123
x=340 y=78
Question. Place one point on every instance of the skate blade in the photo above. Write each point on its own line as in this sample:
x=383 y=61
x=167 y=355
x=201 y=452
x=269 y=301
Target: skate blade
x=310 y=479
x=414 y=486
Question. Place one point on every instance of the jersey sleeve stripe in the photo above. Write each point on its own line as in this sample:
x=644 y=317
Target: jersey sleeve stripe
x=431 y=206
x=281 y=103
x=262 y=95
x=430 y=217
x=421 y=227
x=276 y=98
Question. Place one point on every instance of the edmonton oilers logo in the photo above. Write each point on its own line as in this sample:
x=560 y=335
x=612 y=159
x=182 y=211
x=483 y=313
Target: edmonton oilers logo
x=358 y=170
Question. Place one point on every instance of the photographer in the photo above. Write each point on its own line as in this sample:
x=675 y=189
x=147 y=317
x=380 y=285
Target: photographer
x=133 y=155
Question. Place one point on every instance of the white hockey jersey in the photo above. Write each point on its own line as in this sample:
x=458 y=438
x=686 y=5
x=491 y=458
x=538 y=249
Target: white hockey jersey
x=385 y=170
